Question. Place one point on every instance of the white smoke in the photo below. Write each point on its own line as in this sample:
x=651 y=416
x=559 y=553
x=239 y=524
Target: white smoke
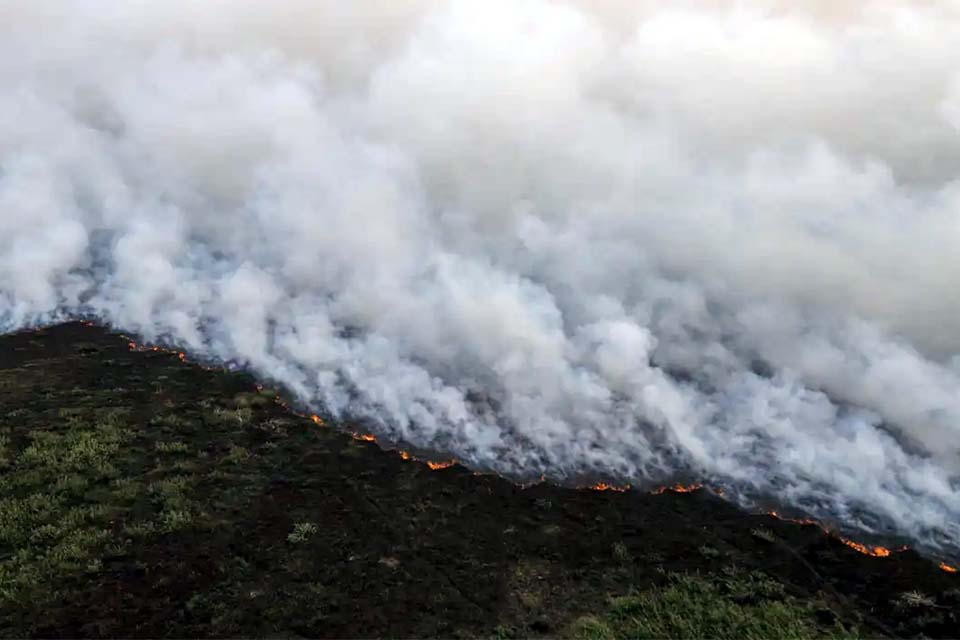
x=612 y=238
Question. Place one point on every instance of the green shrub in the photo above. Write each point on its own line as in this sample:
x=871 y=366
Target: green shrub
x=171 y=447
x=302 y=531
x=762 y=533
x=592 y=628
x=732 y=606
x=620 y=553
x=709 y=552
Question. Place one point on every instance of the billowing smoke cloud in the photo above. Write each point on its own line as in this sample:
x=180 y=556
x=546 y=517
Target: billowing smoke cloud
x=623 y=238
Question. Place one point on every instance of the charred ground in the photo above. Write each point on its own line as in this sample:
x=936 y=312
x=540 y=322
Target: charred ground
x=142 y=496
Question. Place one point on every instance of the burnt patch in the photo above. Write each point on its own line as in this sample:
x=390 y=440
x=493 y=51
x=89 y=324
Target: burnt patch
x=153 y=497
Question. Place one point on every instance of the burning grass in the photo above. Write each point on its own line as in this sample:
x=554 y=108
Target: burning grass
x=602 y=486
x=875 y=551
x=679 y=488
x=142 y=497
x=242 y=413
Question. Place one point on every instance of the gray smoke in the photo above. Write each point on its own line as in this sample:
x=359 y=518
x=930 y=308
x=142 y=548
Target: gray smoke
x=580 y=238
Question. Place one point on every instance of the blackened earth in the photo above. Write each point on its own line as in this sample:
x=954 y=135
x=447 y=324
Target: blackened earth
x=144 y=496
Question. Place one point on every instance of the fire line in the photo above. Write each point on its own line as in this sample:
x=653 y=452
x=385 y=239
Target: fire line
x=873 y=551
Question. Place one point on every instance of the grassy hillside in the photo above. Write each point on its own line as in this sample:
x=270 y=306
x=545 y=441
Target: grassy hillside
x=142 y=496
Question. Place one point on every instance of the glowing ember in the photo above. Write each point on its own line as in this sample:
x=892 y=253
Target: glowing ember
x=602 y=486
x=803 y=521
x=525 y=485
x=678 y=488
x=873 y=551
x=877 y=552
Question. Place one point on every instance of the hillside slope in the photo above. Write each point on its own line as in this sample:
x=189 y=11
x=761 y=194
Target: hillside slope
x=144 y=496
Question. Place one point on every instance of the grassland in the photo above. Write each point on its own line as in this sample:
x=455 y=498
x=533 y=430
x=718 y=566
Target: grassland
x=141 y=496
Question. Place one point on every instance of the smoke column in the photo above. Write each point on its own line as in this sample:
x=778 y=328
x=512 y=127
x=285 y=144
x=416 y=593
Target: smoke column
x=626 y=238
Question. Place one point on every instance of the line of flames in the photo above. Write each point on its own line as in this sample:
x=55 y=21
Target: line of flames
x=680 y=488
x=433 y=465
x=875 y=551
x=180 y=354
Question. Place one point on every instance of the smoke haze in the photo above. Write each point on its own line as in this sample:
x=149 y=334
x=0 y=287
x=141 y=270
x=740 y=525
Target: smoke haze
x=615 y=239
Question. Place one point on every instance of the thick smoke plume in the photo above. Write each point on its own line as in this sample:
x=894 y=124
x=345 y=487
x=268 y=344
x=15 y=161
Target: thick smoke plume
x=619 y=238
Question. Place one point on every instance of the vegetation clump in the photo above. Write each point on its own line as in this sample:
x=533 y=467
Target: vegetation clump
x=732 y=605
x=144 y=497
x=302 y=531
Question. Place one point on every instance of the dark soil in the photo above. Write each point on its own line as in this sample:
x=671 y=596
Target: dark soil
x=144 y=496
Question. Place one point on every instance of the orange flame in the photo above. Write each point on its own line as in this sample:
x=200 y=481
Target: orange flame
x=434 y=466
x=603 y=486
x=876 y=552
x=678 y=488
x=803 y=521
